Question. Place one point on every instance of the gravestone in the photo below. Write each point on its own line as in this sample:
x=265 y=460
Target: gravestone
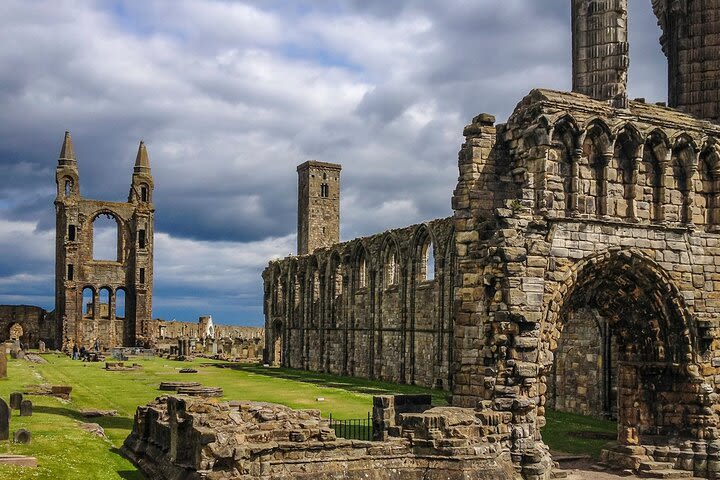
x=22 y=436
x=15 y=400
x=4 y=420
x=26 y=408
x=41 y=346
x=3 y=364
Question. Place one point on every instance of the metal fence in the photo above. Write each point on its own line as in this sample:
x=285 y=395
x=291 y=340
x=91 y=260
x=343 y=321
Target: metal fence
x=353 y=428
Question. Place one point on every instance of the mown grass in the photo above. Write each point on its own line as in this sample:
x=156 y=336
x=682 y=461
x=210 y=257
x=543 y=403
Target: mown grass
x=64 y=450
x=573 y=434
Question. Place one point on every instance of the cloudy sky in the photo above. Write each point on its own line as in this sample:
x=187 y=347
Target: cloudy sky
x=230 y=96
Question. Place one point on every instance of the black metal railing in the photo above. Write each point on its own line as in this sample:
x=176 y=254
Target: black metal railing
x=353 y=428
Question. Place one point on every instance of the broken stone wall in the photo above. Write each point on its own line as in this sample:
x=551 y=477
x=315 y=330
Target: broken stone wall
x=184 y=437
x=35 y=324
x=371 y=307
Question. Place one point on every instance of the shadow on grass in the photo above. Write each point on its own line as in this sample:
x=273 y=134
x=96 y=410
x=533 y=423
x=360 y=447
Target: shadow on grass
x=105 y=422
x=127 y=474
x=326 y=380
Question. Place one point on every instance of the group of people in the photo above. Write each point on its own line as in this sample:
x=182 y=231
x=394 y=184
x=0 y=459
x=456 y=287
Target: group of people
x=85 y=354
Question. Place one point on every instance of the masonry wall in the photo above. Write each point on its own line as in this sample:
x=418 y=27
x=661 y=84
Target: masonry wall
x=375 y=307
x=36 y=323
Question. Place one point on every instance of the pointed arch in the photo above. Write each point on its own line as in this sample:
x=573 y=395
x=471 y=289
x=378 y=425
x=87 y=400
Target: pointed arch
x=709 y=184
x=391 y=261
x=627 y=157
x=598 y=149
x=565 y=141
x=684 y=166
x=656 y=159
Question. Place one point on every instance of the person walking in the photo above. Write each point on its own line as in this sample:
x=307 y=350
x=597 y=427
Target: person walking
x=75 y=352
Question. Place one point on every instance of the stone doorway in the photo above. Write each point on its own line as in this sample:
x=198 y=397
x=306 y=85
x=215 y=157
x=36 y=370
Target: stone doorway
x=655 y=374
x=584 y=374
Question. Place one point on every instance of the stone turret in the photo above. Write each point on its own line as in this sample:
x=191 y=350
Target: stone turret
x=600 y=49
x=691 y=41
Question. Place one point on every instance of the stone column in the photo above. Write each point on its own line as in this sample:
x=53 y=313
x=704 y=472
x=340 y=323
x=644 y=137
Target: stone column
x=575 y=180
x=602 y=201
x=632 y=188
x=600 y=49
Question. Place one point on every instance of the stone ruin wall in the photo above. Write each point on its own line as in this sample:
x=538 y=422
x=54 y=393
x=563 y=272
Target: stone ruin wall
x=367 y=307
x=184 y=437
x=574 y=204
x=231 y=341
x=36 y=323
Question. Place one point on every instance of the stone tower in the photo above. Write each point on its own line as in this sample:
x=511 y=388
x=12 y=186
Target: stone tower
x=318 y=205
x=121 y=288
x=691 y=41
x=600 y=49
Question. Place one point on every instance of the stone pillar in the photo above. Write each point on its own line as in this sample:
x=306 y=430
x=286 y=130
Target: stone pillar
x=473 y=200
x=600 y=49
x=575 y=180
x=690 y=38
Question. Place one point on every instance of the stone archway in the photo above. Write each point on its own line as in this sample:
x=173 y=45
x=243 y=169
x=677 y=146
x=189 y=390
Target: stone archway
x=659 y=392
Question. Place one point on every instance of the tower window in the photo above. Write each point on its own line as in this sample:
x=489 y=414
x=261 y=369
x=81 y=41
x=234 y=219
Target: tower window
x=71 y=233
x=142 y=275
x=324 y=190
x=68 y=187
x=141 y=238
x=143 y=193
x=70 y=271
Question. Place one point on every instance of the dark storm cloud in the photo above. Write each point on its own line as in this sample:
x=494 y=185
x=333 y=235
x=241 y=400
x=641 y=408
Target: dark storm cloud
x=230 y=96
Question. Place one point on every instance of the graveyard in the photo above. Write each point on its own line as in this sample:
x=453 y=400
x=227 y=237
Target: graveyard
x=67 y=444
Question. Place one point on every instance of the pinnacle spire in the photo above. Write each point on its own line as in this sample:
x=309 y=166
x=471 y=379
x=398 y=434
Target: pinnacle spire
x=142 y=162
x=67 y=154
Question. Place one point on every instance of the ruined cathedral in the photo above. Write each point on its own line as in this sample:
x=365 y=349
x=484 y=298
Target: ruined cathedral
x=580 y=269
x=103 y=302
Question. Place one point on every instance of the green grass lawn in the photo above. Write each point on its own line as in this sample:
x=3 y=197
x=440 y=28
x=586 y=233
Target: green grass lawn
x=64 y=450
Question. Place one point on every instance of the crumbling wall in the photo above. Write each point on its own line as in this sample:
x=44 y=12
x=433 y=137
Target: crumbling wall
x=374 y=307
x=35 y=323
x=184 y=437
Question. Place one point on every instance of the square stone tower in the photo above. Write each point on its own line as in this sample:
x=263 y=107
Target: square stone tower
x=318 y=205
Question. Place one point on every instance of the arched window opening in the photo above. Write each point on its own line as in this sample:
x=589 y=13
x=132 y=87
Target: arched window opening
x=362 y=272
x=430 y=262
x=564 y=136
x=392 y=269
x=709 y=180
x=315 y=286
x=143 y=193
x=68 y=187
x=105 y=238
x=120 y=303
x=324 y=190
x=683 y=165
x=655 y=160
x=337 y=281
x=88 y=300
x=71 y=232
x=70 y=271
x=426 y=261
x=597 y=149
x=104 y=303
x=141 y=238
x=142 y=275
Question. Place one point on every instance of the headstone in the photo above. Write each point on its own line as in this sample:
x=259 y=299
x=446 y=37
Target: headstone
x=4 y=420
x=26 y=408
x=15 y=400
x=22 y=436
x=41 y=346
x=3 y=364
